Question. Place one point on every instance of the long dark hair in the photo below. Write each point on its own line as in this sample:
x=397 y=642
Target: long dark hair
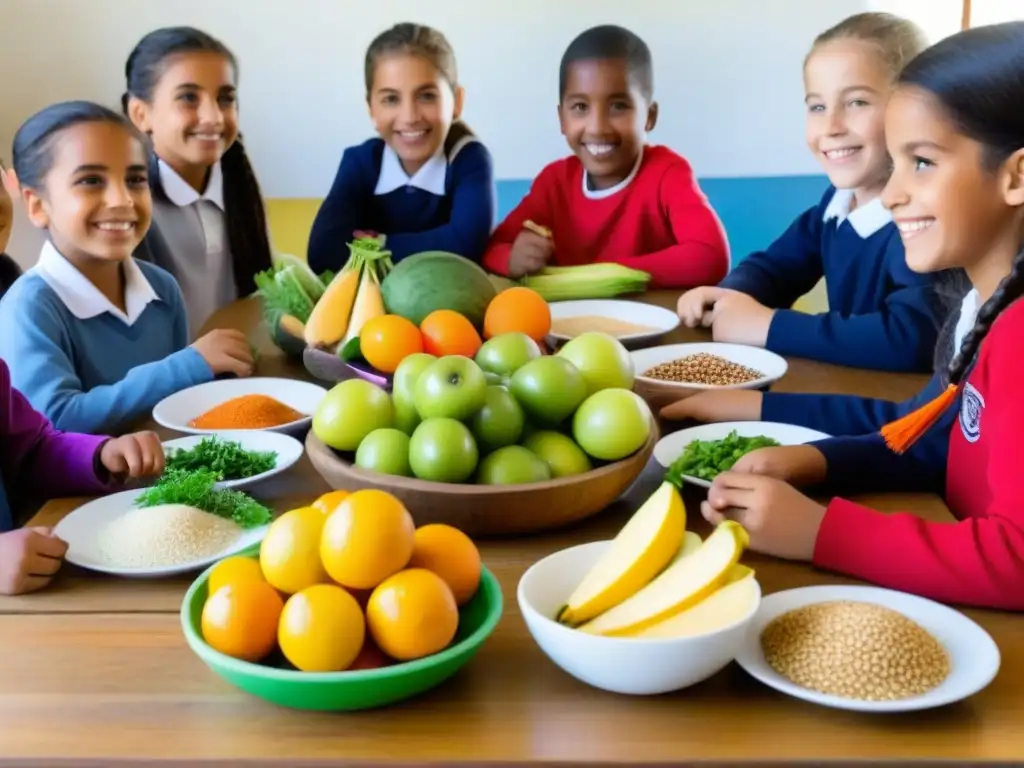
x=245 y=215
x=430 y=44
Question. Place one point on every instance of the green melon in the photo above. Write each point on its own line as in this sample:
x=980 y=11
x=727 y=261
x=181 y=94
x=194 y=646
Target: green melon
x=432 y=280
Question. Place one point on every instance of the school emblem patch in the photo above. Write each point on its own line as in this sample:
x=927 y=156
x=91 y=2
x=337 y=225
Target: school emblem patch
x=971 y=406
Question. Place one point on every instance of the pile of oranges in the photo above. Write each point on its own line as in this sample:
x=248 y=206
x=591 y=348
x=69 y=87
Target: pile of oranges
x=346 y=583
x=386 y=340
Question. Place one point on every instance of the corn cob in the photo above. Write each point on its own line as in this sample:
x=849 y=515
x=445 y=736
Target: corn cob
x=586 y=281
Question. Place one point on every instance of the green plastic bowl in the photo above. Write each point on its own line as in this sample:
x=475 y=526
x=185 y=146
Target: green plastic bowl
x=358 y=689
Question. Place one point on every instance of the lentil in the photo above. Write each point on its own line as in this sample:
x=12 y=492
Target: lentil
x=703 y=368
x=855 y=650
x=247 y=412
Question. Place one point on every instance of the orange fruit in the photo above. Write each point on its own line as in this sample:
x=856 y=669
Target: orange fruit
x=240 y=619
x=370 y=657
x=232 y=570
x=387 y=340
x=368 y=537
x=446 y=332
x=329 y=501
x=412 y=614
x=290 y=552
x=518 y=309
x=450 y=554
x=321 y=629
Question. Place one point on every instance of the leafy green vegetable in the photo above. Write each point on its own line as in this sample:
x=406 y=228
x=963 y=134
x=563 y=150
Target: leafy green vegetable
x=197 y=488
x=704 y=459
x=227 y=458
x=283 y=294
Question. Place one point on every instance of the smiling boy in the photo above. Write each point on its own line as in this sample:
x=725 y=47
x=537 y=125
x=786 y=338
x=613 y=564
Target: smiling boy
x=616 y=199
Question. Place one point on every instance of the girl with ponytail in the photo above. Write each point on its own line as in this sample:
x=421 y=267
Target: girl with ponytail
x=955 y=130
x=209 y=224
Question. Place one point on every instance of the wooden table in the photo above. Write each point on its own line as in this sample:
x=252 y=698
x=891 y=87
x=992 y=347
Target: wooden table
x=96 y=669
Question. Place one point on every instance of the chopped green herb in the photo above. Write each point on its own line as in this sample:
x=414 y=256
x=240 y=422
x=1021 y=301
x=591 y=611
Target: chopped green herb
x=705 y=459
x=198 y=488
x=225 y=457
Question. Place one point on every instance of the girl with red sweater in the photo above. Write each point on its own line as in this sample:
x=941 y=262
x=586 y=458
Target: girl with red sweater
x=955 y=130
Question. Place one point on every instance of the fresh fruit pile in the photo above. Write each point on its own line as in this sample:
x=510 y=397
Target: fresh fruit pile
x=656 y=579
x=346 y=583
x=505 y=415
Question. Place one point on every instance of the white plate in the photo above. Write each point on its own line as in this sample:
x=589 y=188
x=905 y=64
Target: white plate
x=288 y=450
x=671 y=447
x=773 y=366
x=79 y=529
x=662 y=320
x=973 y=655
x=177 y=410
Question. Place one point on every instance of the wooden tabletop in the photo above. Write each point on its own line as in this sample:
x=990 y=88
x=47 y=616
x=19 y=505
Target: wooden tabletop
x=96 y=669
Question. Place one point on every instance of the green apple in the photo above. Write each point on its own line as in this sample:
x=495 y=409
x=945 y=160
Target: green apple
x=443 y=450
x=451 y=387
x=549 y=388
x=385 y=451
x=403 y=389
x=612 y=424
x=559 y=452
x=602 y=359
x=499 y=422
x=507 y=353
x=512 y=465
x=350 y=411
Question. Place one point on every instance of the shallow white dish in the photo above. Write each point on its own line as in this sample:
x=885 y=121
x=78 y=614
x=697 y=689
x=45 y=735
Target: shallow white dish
x=637 y=666
x=658 y=318
x=773 y=366
x=288 y=450
x=671 y=446
x=177 y=410
x=81 y=526
x=974 y=656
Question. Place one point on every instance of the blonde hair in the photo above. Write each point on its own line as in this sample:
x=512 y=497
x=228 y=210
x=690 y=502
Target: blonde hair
x=898 y=40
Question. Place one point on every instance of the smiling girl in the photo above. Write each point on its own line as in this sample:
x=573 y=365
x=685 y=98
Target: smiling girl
x=426 y=183
x=955 y=130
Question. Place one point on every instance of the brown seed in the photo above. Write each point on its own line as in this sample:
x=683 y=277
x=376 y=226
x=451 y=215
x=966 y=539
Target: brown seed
x=703 y=368
x=855 y=650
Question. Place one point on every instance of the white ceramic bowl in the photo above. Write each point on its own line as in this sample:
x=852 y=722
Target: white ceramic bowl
x=773 y=366
x=638 y=666
x=177 y=410
x=659 y=319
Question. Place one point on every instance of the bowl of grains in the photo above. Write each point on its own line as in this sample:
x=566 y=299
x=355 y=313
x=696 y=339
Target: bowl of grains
x=867 y=649
x=669 y=373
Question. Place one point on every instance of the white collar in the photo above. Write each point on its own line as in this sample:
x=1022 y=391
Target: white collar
x=181 y=193
x=430 y=177
x=968 y=314
x=82 y=298
x=865 y=220
x=598 y=194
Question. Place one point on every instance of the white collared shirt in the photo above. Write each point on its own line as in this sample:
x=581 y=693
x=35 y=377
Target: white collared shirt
x=598 y=194
x=968 y=315
x=865 y=220
x=83 y=299
x=209 y=204
x=430 y=177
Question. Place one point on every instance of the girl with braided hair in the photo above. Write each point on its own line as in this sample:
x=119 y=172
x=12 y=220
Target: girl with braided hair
x=955 y=130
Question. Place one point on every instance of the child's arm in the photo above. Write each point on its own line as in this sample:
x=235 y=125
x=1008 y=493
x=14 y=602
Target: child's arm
x=535 y=207
x=899 y=337
x=341 y=213
x=472 y=216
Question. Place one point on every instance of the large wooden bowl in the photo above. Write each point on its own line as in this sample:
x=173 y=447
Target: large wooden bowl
x=491 y=510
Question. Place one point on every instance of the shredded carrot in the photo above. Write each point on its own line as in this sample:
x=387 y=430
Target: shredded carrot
x=901 y=434
x=247 y=412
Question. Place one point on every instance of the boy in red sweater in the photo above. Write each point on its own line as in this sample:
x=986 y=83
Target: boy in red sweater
x=616 y=199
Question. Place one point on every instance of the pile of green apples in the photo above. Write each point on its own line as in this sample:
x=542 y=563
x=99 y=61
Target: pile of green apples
x=509 y=415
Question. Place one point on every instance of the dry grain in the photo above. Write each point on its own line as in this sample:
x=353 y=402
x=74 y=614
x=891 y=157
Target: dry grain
x=164 y=535
x=703 y=368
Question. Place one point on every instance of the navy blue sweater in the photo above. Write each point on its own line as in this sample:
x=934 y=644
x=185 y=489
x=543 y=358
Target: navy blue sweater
x=881 y=315
x=449 y=205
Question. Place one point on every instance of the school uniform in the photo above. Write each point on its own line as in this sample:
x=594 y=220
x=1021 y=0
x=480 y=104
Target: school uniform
x=449 y=204
x=881 y=316
x=657 y=220
x=84 y=363
x=973 y=459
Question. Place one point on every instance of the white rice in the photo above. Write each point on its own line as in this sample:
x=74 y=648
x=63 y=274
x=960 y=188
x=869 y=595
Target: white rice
x=164 y=535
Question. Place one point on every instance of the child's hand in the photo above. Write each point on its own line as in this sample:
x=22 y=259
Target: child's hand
x=136 y=455
x=800 y=465
x=694 y=306
x=29 y=557
x=716 y=405
x=530 y=253
x=738 y=318
x=780 y=520
x=226 y=350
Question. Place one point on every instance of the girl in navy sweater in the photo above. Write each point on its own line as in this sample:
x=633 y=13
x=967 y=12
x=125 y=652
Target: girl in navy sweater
x=427 y=183
x=881 y=315
x=955 y=131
